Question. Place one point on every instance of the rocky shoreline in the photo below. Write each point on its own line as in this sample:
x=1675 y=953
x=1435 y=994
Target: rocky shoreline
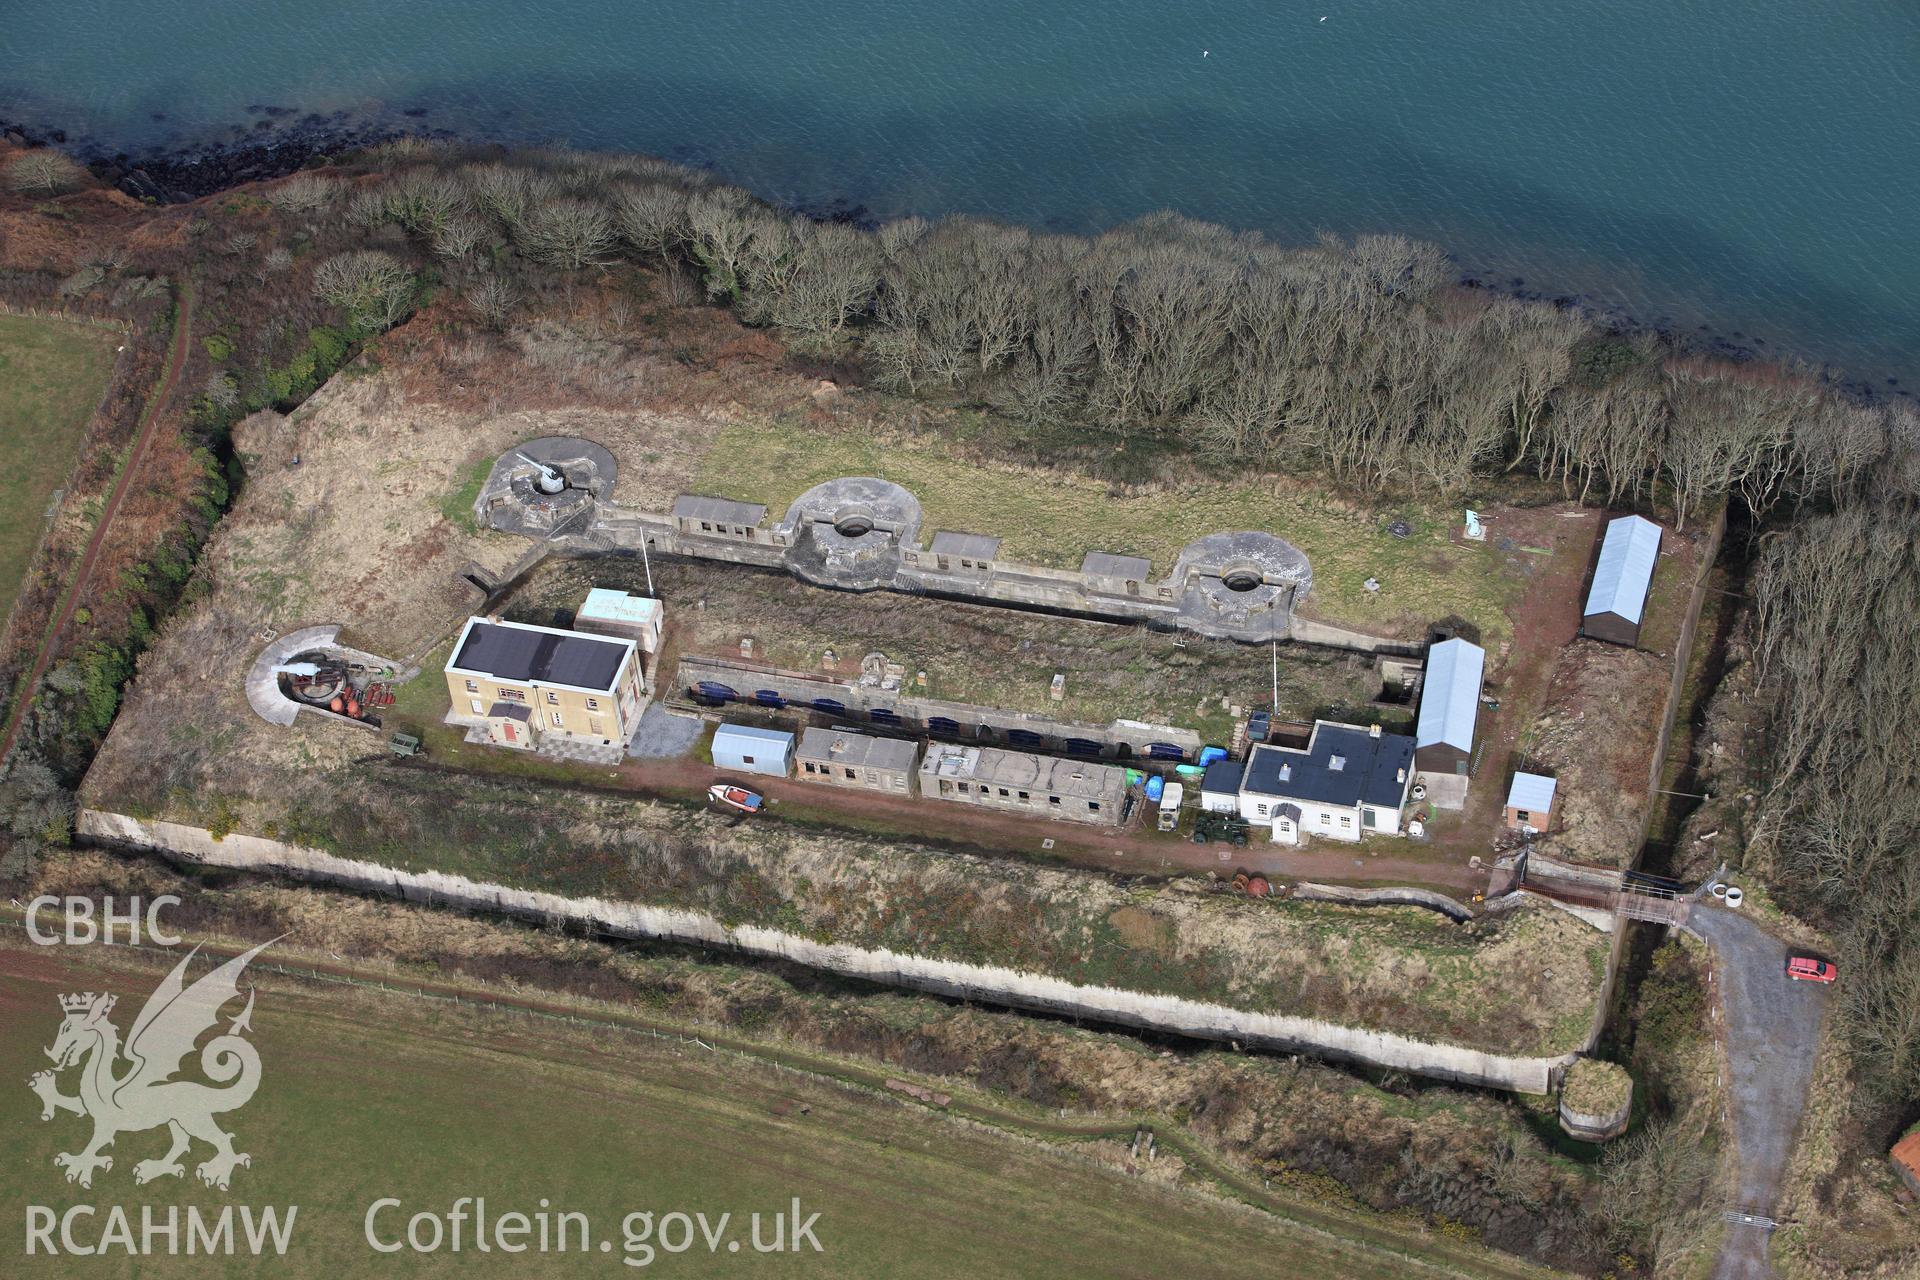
x=280 y=141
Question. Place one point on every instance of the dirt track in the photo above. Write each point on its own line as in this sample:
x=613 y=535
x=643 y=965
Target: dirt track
x=182 y=330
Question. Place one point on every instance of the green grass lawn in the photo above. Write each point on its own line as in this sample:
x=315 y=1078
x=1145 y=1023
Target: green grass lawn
x=1054 y=518
x=52 y=374
x=366 y=1095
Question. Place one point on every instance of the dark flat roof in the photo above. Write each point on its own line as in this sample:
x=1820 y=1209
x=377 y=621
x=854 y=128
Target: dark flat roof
x=535 y=653
x=1222 y=775
x=1371 y=768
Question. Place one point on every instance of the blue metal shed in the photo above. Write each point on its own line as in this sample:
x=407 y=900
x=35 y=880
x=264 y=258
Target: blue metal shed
x=752 y=750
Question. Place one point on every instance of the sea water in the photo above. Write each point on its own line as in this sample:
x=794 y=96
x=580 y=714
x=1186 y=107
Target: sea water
x=1744 y=165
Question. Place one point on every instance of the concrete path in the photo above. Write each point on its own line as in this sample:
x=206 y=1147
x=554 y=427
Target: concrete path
x=1773 y=1032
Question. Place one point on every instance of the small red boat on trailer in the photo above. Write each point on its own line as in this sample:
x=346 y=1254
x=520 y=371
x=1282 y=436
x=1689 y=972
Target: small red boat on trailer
x=739 y=799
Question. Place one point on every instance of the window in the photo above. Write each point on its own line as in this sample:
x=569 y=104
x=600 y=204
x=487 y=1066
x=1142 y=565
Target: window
x=963 y=788
x=1369 y=818
x=1054 y=800
x=1326 y=819
x=1025 y=796
x=1346 y=820
x=850 y=773
x=593 y=704
x=553 y=699
x=511 y=695
x=479 y=708
x=1093 y=806
x=1521 y=815
x=556 y=720
x=1003 y=792
x=810 y=768
x=746 y=759
x=1260 y=810
x=705 y=527
x=472 y=687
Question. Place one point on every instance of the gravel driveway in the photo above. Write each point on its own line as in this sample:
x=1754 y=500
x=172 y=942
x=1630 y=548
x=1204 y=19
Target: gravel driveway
x=1773 y=1030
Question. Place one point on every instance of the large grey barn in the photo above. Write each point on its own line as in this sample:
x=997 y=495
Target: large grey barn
x=1621 y=579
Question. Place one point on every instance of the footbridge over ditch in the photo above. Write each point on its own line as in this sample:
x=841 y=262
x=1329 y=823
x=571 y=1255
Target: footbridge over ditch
x=864 y=533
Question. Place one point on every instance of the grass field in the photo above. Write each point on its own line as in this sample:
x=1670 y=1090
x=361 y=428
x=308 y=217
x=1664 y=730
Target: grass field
x=1054 y=518
x=367 y=1095
x=52 y=373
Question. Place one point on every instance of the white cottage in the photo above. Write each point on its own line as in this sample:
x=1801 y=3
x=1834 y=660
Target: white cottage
x=1350 y=781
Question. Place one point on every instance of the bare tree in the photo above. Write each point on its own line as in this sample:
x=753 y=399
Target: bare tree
x=494 y=299
x=44 y=172
x=372 y=287
x=835 y=277
x=302 y=193
x=459 y=236
x=567 y=232
x=653 y=219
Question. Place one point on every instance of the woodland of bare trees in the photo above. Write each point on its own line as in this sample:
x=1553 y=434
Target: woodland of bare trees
x=1838 y=602
x=1360 y=359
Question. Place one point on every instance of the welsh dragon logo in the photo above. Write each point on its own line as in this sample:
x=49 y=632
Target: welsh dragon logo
x=145 y=1094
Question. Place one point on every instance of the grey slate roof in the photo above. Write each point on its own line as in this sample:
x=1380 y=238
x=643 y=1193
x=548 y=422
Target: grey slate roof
x=508 y=651
x=691 y=506
x=509 y=711
x=858 y=750
x=1373 y=770
x=1625 y=568
x=1105 y=564
x=1450 y=694
x=1223 y=777
x=974 y=546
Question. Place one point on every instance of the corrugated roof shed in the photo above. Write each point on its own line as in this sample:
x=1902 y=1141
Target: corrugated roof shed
x=618 y=606
x=518 y=651
x=779 y=739
x=974 y=546
x=845 y=747
x=1450 y=694
x=1105 y=564
x=691 y=506
x=1625 y=569
x=1532 y=792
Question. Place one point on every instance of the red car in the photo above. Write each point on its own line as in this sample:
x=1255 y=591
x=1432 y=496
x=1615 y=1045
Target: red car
x=1808 y=969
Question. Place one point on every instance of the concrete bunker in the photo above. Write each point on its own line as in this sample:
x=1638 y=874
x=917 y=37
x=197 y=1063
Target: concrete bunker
x=850 y=532
x=545 y=485
x=1234 y=583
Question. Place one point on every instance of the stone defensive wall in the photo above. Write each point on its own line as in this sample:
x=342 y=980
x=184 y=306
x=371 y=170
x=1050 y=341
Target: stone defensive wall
x=986 y=984
x=861 y=533
x=773 y=689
